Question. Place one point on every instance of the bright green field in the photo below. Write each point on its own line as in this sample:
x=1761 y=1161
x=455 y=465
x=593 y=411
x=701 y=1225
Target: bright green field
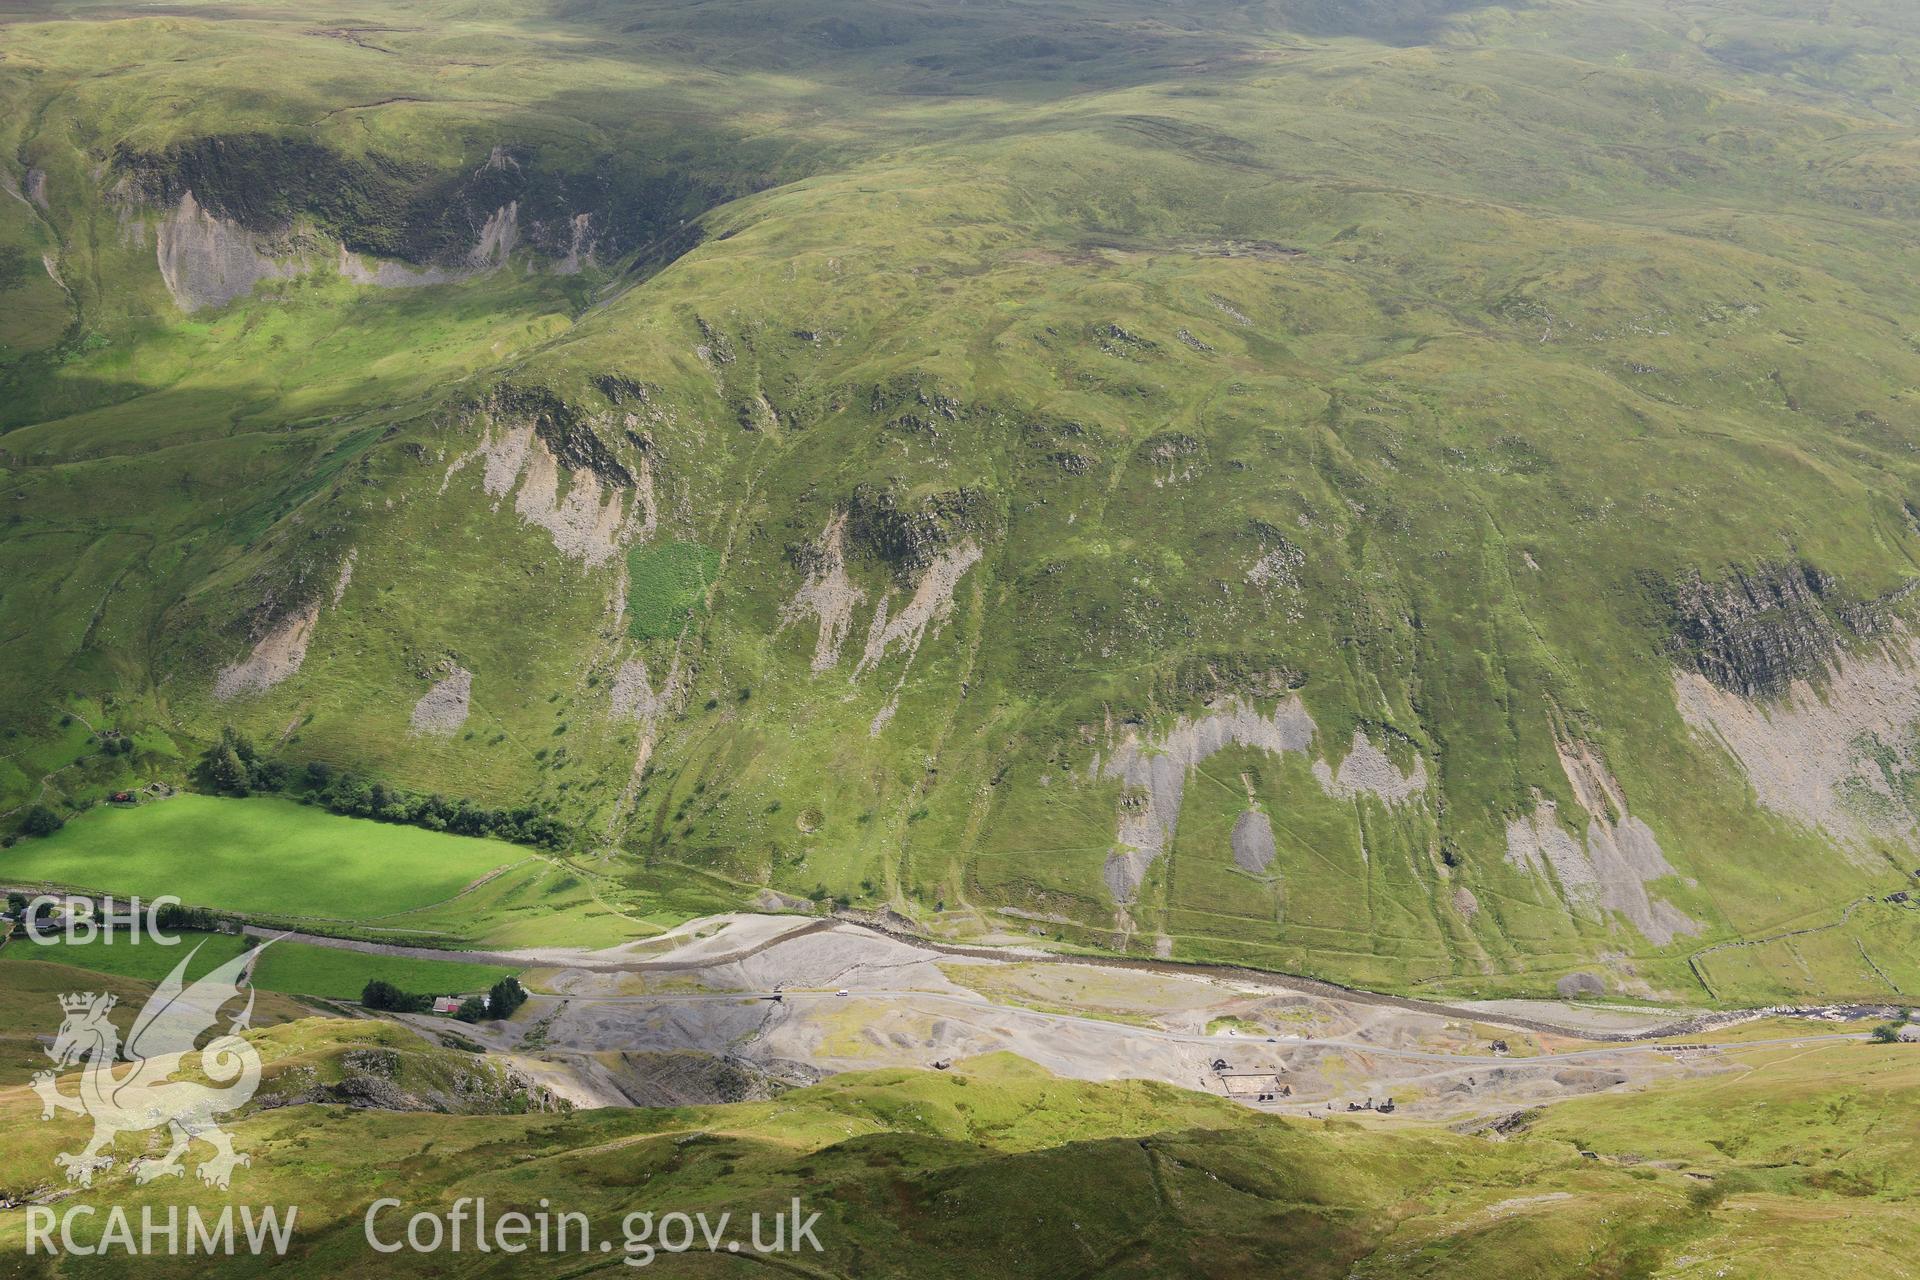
x=299 y=968
x=144 y=961
x=291 y=968
x=260 y=855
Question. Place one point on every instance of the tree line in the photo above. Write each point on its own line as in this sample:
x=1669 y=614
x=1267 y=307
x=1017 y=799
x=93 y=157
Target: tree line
x=233 y=766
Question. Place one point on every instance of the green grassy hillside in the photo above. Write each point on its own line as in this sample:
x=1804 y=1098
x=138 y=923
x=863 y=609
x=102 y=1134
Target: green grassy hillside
x=1422 y=495
x=997 y=1169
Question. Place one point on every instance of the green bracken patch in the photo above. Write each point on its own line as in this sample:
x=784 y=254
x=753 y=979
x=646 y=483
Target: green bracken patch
x=667 y=587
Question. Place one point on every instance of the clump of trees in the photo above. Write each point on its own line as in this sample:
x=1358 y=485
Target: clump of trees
x=22 y=907
x=1889 y=1032
x=501 y=1000
x=234 y=767
x=360 y=797
x=506 y=996
x=388 y=998
x=41 y=821
x=173 y=918
x=116 y=743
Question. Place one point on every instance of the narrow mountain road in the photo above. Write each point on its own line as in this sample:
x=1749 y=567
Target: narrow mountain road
x=542 y=957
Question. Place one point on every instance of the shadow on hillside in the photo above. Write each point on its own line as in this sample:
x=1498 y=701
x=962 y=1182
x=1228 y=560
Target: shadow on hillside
x=928 y=48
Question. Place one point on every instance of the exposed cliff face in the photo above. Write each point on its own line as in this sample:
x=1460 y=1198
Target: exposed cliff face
x=376 y=205
x=1757 y=632
x=237 y=209
x=930 y=604
x=1841 y=756
x=911 y=535
x=385 y=274
x=827 y=595
x=280 y=626
x=274 y=656
x=578 y=492
x=571 y=434
x=1367 y=769
x=386 y=1075
x=1813 y=694
x=208 y=261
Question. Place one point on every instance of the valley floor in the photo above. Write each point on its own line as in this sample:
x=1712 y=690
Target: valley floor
x=740 y=1004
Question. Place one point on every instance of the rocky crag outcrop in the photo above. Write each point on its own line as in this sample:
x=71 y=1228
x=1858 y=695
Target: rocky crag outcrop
x=1757 y=631
x=236 y=209
x=208 y=261
x=281 y=626
x=385 y=1079
x=600 y=210
x=909 y=535
x=584 y=477
x=1840 y=756
x=1812 y=693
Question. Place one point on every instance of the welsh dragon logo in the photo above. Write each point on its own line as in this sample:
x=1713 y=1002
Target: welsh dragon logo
x=143 y=1095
